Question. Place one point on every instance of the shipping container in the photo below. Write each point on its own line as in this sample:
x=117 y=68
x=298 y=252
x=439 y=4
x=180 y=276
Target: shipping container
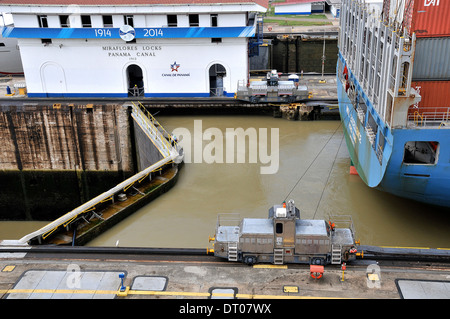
x=432 y=59
x=431 y=18
x=427 y=18
x=435 y=102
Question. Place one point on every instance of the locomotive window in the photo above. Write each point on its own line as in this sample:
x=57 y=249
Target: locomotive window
x=279 y=228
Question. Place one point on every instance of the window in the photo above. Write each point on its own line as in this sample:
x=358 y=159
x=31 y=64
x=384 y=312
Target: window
x=279 y=228
x=172 y=20
x=216 y=40
x=193 y=20
x=86 y=21
x=46 y=42
x=128 y=20
x=107 y=21
x=64 y=21
x=2 y=44
x=42 y=21
x=421 y=152
x=214 y=19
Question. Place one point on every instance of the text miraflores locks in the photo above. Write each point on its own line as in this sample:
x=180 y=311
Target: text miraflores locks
x=131 y=50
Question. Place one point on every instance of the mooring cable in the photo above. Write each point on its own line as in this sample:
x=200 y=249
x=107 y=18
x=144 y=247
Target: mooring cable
x=315 y=158
x=329 y=174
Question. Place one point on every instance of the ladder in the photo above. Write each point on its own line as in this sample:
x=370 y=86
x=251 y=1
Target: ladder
x=232 y=251
x=278 y=256
x=336 y=254
x=370 y=134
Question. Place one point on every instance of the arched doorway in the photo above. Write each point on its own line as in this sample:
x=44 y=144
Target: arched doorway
x=135 y=80
x=53 y=79
x=217 y=73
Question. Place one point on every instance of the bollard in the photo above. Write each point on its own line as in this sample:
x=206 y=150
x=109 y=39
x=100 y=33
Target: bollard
x=123 y=291
x=343 y=267
x=122 y=287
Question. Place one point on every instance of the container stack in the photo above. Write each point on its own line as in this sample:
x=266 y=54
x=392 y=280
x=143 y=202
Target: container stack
x=429 y=21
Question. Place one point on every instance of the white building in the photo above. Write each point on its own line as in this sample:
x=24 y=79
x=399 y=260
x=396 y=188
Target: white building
x=298 y=7
x=118 y=48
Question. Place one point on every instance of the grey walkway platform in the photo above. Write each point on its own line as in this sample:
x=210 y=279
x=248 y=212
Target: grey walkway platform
x=71 y=284
x=424 y=289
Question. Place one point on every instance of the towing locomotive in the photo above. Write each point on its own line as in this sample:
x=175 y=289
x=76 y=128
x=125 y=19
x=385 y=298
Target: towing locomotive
x=284 y=237
x=273 y=89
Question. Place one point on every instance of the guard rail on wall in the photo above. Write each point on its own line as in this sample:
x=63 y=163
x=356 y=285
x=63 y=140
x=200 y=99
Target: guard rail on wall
x=170 y=153
x=430 y=118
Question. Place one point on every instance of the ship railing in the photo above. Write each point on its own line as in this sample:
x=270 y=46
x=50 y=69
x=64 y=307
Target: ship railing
x=342 y=221
x=228 y=219
x=241 y=86
x=440 y=119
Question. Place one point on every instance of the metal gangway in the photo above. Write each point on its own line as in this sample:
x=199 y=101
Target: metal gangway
x=168 y=148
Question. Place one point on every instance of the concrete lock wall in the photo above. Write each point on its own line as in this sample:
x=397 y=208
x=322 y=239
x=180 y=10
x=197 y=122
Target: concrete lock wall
x=52 y=159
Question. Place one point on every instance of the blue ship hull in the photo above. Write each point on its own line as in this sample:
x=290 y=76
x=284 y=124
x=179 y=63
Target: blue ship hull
x=385 y=168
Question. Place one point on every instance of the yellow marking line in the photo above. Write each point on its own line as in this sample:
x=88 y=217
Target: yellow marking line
x=399 y=247
x=156 y=293
x=270 y=266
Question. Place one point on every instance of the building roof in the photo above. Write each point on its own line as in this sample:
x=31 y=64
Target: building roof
x=264 y=3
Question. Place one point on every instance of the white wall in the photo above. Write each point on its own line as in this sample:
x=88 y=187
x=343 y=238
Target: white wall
x=300 y=8
x=88 y=68
x=25 y=21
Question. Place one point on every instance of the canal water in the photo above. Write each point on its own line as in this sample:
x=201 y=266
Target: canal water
x=313 y=170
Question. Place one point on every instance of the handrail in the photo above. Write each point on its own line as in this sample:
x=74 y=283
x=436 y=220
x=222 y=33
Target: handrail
x=66 y=219
x=416 y=116
x=421 y=119
x=155 y=122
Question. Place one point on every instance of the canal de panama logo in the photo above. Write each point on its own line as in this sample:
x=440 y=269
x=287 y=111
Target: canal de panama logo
x=174 y=66
x=127 y=32
x=174 y=72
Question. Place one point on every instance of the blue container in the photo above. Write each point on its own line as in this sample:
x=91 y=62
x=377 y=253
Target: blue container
x=8 y=90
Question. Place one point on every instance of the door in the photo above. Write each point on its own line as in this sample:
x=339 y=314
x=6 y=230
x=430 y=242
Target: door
x=53 y=80
x=217 y=73
x=135 y=80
